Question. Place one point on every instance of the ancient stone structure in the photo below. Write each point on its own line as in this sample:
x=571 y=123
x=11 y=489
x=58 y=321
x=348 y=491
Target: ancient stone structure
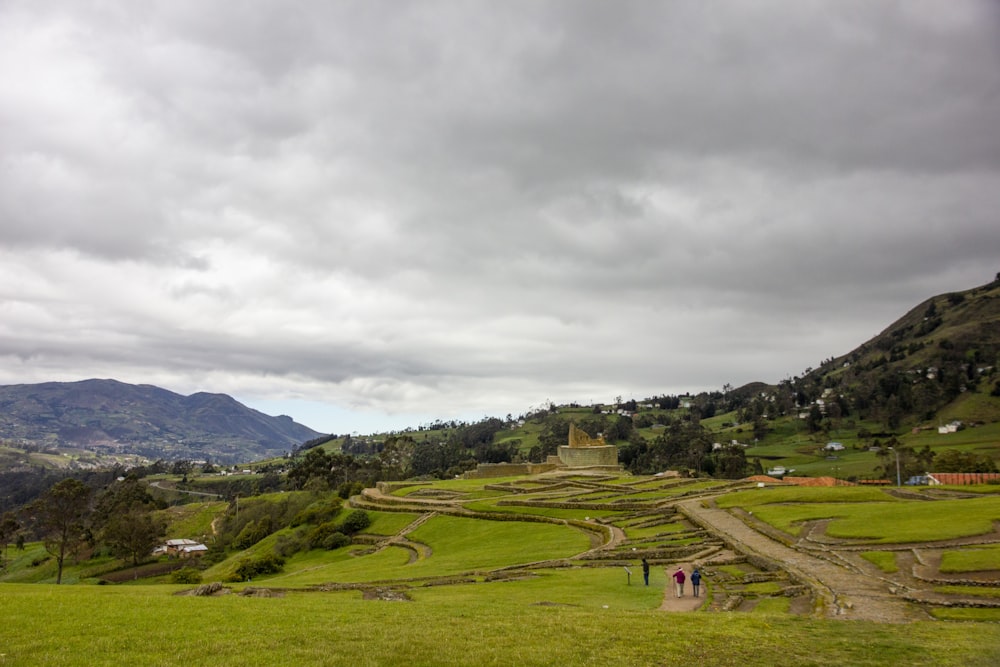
x=487 y=470
x=586 y=452
x=581 y=452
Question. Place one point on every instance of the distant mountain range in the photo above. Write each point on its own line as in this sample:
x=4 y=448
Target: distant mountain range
x=114 y=418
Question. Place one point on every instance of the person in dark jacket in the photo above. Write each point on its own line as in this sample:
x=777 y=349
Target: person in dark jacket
x=645 y=571
x=695 y=581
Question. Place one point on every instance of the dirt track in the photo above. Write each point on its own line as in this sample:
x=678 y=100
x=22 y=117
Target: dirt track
x=846 y=594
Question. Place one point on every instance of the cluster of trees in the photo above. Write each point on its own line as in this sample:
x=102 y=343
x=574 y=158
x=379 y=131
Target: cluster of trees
x=318 y=521
x=687 y=446
x=71 y=517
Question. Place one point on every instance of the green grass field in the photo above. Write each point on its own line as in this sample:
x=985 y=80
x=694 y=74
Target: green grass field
x=971 y=559
x=888 y=522
x=542 y=622
x=473 y=600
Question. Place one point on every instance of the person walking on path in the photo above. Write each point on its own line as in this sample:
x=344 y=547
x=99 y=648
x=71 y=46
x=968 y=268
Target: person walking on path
x=678 y=578
x=645 y=571
x=695 y=581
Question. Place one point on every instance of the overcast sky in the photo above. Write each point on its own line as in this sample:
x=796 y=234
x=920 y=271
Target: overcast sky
x=368 y=215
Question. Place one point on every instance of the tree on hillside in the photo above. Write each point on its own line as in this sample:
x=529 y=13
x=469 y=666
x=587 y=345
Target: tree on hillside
x=315 y=464
x=9 y=525
x=120 y=497
x=132 y=535
x=619 y=429
x=952 y=460
x=554 y=434
x=730 y=462
x=61 y=515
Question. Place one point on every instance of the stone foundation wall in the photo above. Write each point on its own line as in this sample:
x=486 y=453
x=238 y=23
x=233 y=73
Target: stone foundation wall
x=588 y=457
x=486 y=470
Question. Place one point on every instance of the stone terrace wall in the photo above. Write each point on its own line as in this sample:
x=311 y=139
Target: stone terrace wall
x=588 y=457
x=486 y=470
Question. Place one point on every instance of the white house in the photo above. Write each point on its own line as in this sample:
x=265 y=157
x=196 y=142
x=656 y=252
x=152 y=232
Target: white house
x=834 y=447
x=950 y=428
x=184 y=548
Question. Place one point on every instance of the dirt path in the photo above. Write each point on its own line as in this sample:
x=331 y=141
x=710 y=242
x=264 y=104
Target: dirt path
x=687 y=603
x=846 y=594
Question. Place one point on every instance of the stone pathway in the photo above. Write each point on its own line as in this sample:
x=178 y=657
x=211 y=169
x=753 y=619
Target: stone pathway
x=845 y=594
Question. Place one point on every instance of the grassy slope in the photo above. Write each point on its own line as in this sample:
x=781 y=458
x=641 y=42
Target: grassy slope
x=584 y=616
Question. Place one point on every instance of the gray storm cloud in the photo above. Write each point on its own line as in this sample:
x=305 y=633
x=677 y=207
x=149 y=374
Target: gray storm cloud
x=455 y=208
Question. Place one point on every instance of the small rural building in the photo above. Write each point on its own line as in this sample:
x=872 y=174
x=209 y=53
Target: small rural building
x=834 y=447
x=950 y=428
x=184 y=548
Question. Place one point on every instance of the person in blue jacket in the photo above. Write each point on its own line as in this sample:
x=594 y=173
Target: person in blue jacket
x=695 y=581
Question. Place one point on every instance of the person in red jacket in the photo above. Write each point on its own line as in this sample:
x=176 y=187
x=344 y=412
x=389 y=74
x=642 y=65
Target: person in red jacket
x=679 y=577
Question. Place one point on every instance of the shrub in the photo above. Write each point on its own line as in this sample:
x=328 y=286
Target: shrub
x=289 y=544
x=252 y=567
x=318 y=535
x=318 y=512
x=336 y=541
x=186 y=575
x=252 y=533
x=215 y=554
x=348 y=489
x=355 y=522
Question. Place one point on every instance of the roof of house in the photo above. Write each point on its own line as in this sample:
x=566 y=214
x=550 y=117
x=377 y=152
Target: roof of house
x=179 y=542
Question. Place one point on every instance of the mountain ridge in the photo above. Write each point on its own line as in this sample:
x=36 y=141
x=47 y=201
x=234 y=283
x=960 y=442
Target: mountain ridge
x=107 y=416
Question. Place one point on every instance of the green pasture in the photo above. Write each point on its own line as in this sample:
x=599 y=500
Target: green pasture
x=971 y=559
x=590 y=587
x=874 y=522
x=20 y=569
x=772 y=605
x=461 y=544
x=645 y=532
x=883 y=560
x=534 y=510
x=762 y=588
x=389 y=523
x=458 y=485
x=547 y=620
x=456 y=546
x=350 y=565
x=967 y=614
x=973 y=407
x=771 y=495
x=193 y=521
x=969 y=591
